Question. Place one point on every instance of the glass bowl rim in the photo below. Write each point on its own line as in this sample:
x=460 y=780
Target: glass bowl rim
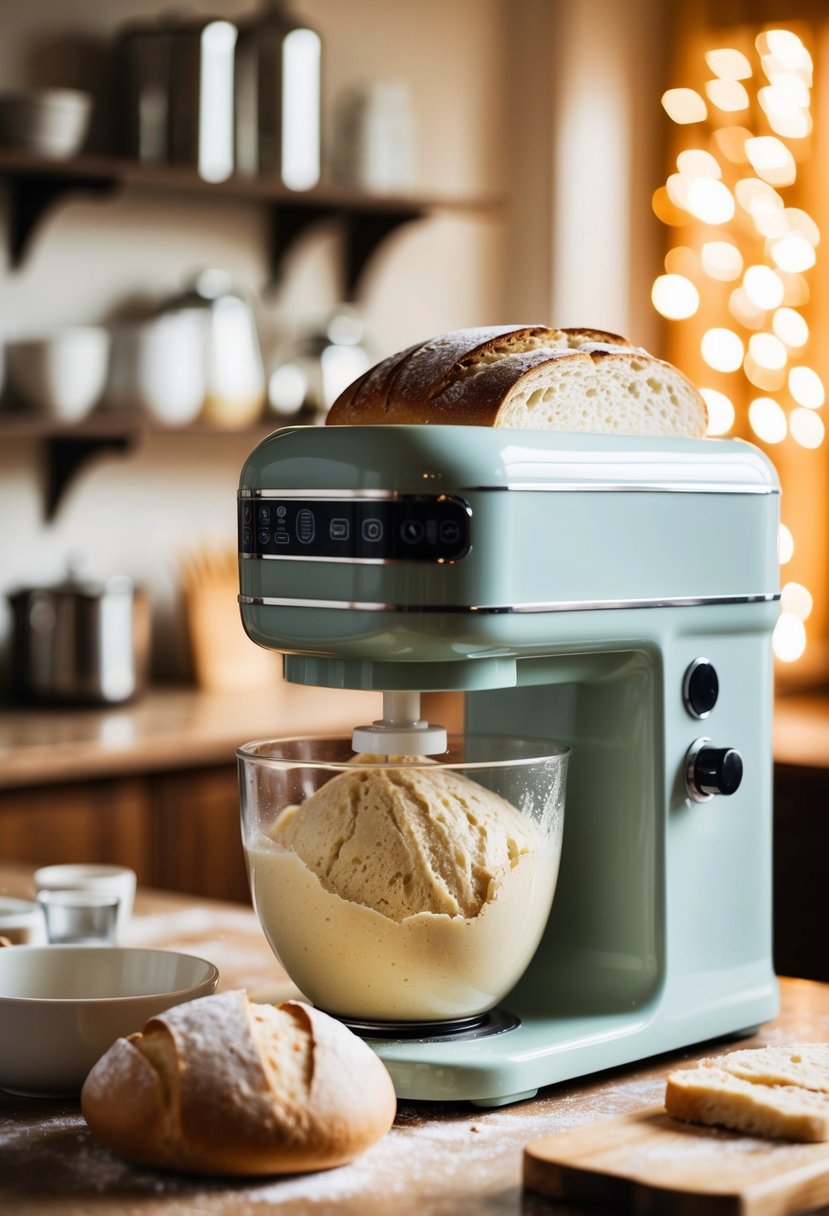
x=553 y=750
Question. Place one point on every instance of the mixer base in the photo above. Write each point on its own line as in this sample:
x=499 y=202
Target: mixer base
x=481 y=1025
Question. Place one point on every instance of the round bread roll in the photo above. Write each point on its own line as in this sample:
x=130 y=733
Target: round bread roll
x=224 y=1086
x=527 y=377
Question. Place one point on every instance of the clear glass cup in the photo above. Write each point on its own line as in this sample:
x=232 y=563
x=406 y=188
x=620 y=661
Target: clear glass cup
x=80 y=918
x=403 y=889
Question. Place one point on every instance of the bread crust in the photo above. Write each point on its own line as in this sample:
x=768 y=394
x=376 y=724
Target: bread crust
x=220 y=1086
x=469 y=377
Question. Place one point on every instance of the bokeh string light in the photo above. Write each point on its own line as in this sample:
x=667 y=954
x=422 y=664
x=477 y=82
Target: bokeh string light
x=739 y=277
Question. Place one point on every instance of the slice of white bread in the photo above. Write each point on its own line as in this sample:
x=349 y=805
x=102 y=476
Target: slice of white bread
x=527 y=377
x=777 y=1092
x=224 y=1086
x=803 y=1064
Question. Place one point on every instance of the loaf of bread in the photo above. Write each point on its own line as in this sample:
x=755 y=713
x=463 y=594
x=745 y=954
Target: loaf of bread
x=777 y=1092
x=528 y=377
x=224 y=1086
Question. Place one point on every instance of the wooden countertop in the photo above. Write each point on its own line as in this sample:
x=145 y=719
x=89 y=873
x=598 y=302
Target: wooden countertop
x=173 y=728
x=438 y=1160
x=167 y=728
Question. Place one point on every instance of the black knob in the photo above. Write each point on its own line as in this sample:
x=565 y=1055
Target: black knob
x=700 y=689
x=713 y=770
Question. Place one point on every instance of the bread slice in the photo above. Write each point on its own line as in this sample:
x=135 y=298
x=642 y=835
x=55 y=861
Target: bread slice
x=715 y=1096
x=223 y=1086
x=527 y=377
x=805 y=1065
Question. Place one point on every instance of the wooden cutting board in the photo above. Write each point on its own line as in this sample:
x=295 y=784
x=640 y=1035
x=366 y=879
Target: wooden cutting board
x=648 y=1163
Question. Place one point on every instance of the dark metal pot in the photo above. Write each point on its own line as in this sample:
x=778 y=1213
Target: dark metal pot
x=80 y=642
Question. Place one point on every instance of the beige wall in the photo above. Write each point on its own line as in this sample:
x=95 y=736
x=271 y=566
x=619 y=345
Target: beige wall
x=481 y=74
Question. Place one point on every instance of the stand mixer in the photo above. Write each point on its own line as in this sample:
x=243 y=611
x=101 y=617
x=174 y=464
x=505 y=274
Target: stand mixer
x=616 y=594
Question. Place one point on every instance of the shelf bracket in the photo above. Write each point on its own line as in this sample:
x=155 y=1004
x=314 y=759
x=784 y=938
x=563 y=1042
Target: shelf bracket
x=364 y=232
x=65 y=456
x=31 y=196
x=289 y=222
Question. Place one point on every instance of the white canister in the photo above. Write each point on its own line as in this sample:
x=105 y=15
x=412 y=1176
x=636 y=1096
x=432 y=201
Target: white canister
x=375 y=145
x=158 y=367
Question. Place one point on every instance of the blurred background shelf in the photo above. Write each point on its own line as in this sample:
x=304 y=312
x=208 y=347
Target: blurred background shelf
x=68 y=448
x=35 y=185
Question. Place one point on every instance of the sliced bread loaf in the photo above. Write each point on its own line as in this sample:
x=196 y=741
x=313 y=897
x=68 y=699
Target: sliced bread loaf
x=527 y=377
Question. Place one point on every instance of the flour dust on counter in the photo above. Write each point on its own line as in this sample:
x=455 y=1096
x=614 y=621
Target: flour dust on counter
x=426 y=1165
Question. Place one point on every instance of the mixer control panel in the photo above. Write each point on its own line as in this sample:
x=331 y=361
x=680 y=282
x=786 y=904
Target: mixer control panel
x=431 y=528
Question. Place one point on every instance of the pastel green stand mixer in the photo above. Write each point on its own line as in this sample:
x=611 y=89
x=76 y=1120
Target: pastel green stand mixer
x=615 y=594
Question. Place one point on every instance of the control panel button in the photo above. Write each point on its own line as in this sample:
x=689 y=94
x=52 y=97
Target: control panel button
x=412 y=531
x=339 y=529
x=263 y=515
x=305 y=526
x=712 y=770
x=700 y=688
x=372 y=529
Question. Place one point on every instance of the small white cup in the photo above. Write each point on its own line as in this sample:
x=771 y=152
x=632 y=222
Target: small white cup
x=80 y=918
x=117 y=880
x=21 y=922
x=61 y=375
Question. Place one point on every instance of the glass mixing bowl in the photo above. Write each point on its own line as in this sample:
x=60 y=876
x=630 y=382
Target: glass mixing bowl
x=403 y=889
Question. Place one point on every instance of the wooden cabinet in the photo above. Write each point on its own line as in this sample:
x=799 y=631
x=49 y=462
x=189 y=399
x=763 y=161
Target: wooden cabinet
x=178 y=830
x=801 y=847
x=196 y=836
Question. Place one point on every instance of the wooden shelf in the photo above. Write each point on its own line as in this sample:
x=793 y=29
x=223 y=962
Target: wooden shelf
x=67 y=448
x=36 y=186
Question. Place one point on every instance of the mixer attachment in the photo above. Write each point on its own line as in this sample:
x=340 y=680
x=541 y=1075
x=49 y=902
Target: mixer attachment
x=401 y=731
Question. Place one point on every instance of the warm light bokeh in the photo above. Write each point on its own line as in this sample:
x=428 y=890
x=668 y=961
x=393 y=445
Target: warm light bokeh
x=738 y=277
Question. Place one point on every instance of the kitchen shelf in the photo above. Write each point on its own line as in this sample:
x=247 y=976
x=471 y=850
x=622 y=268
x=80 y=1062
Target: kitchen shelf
x=36 y=185
x=67 y=448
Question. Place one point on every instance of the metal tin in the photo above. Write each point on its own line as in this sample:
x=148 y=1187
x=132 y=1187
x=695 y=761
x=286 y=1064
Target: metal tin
x=80 y=642
x=278 y=98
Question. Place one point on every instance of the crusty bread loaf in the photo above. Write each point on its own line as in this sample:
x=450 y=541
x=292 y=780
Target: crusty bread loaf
x=526 y=377
x=778 y=1092
x=224 y=1086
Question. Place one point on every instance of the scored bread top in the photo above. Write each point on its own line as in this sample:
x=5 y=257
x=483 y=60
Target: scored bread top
x=527 y=377
x=221 y=1085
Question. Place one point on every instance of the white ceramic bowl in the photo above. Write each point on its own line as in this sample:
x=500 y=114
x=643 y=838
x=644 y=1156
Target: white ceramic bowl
x=21 y=921
x=61 y=375
x=102 y=879
x=62 y=1007
x=48 y=122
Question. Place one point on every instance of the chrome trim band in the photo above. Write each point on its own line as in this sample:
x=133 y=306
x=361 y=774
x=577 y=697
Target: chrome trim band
x=348 y=561
x=508 y=609
x=578 y=487
x=324 y=494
